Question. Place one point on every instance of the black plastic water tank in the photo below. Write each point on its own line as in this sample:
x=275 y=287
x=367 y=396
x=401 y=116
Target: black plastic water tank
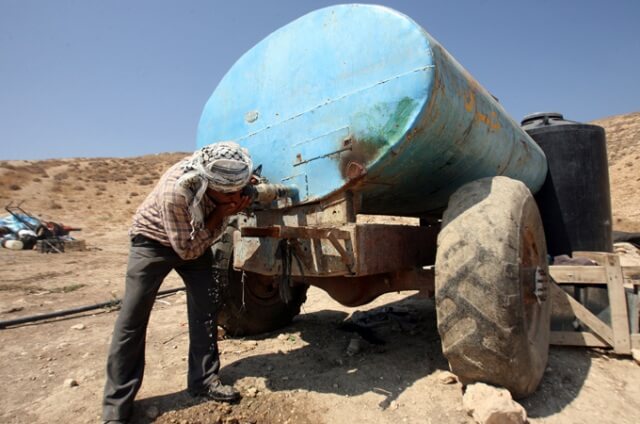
x=575 y=200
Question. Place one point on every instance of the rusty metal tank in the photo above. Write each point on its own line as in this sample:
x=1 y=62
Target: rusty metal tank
x=361 y=98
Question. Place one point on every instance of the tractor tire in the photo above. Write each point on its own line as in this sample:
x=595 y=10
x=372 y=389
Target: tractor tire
x=493 y=324
x=249 y=304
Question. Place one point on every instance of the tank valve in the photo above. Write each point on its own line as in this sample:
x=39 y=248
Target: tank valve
x=264 y=194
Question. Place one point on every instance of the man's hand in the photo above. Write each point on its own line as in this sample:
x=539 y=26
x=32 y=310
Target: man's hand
x=226 y=204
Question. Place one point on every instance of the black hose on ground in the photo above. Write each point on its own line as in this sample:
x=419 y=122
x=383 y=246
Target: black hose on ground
x=633 y=238
x=111 y=304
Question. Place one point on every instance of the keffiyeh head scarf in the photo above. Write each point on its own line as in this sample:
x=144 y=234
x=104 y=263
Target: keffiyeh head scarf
x=224 y=167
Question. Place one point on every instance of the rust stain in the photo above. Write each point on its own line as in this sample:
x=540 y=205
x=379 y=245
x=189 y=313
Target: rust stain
x=326 y=155
x=355 y=170
x=469 y=100
x=361 y=150
x=437 y=92
x=463 y=138
x=411 y=134
x=361 y=153
x=490 y=120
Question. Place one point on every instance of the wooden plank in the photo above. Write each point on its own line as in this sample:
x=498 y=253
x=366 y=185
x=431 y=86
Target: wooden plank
x=576 y=338
x=594 y=256
x=631 y=274
x=618 y=304
x=584 y=315
x=616 y=279
x=578 y=274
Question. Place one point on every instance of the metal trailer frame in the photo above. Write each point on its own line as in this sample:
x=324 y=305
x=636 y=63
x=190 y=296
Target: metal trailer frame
x=353 y=262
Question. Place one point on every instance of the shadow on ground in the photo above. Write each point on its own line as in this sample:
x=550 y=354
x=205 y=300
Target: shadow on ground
x=316 y=361
x=566 y=373
x=323 y=365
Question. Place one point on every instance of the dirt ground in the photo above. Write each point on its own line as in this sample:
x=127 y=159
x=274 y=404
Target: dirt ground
x=300 y=374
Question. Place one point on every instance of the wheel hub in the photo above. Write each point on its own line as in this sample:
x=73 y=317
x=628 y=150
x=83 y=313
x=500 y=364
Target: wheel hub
x=541 y=284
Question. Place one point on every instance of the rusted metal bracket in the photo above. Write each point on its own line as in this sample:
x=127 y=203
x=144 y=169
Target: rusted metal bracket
x=331 y=242
x=347 y=259
x=286 y=232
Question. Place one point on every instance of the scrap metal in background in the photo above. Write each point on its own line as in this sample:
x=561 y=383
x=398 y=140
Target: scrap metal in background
x=30 y=231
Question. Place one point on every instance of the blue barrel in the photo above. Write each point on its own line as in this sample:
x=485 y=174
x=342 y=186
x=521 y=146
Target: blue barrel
x=361 y=98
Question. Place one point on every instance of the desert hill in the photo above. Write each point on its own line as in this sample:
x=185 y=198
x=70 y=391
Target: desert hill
x=97 y=194
x=92 y=192
x=623 y=150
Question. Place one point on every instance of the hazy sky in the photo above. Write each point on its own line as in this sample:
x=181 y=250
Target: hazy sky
x=90 y=78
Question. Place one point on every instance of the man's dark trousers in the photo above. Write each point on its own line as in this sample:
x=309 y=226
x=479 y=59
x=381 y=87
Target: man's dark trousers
x=149 y=263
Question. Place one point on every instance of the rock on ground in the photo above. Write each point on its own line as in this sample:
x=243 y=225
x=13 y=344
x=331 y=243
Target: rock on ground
x=492 y=405
x=70 y=382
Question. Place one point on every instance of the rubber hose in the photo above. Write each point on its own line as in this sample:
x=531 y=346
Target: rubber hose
x=57 y=314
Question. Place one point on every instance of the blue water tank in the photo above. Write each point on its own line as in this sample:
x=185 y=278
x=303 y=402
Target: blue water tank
x=361 y=98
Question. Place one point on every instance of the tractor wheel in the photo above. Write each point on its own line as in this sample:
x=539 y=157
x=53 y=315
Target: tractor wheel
x=250 y=303
x=491 y=286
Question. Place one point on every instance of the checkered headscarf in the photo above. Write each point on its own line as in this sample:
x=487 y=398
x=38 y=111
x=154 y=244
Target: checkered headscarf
x=225 y=167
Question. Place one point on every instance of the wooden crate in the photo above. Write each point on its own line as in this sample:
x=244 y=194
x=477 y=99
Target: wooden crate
x=56 y=245
x=609 y=272
x=75 y=245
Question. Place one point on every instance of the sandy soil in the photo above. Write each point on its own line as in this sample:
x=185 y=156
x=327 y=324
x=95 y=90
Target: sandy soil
x=300 y=374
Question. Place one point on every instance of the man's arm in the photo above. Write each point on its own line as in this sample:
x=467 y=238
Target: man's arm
x=177 y=224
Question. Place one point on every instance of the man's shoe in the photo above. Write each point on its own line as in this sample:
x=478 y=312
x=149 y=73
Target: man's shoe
x=116 y=422
x=218 y=392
